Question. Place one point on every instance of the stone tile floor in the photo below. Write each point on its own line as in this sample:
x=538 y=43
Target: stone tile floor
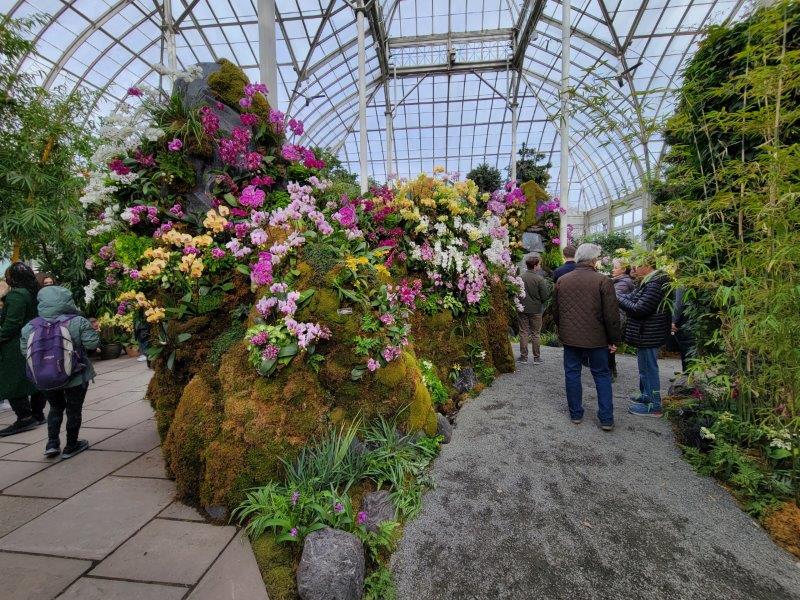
x=104 y=525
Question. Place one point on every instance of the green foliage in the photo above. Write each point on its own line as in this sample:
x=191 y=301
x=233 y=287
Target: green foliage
x=728 y=213
x=129 y=248
x=435 y=386
x=379 y=585
x=529 y=169
x=486 y=177
x=225 y=341
x=45 y=141
x=610 y=242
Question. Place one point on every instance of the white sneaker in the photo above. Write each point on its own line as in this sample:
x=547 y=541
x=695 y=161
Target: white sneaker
x=142 y=358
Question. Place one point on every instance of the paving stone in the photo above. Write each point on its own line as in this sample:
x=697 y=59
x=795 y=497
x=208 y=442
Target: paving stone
x=117 y=401
x=235 y=574
x=26 y=577
x=90 y=588
x=89 y=414
x=67 y=477
x=142 y=437
x=15 y=511
x=119 y=375
x=6 y=448
x=181 y=511
x=12 y=471
x=125 y=417
x=28 y=437
x=167 y=552
x=108 y=513
x=35 y=452
x=147 y=465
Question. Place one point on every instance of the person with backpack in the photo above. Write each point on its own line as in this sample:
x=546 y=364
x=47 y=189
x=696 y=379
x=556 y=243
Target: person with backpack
x=19 y=307
x=55 y=345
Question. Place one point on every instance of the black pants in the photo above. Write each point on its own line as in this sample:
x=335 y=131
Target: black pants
x=70 y=400
x=26 y=408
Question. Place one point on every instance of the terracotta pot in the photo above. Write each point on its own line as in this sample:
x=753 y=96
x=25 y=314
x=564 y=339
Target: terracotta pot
x=132 y=351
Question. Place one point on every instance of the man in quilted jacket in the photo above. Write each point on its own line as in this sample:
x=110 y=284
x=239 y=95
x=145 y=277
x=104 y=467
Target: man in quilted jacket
x=647 y=328
x=587 y=315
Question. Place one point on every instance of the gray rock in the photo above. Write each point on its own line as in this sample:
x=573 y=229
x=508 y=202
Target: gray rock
x=331 y=567
x=445 y=428
x=466 y=380
x=218 y=513
x=379 y=508
x=357 y=447
x=682 y=386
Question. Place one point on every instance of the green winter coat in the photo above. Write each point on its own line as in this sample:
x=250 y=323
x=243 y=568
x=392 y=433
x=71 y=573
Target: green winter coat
x=18 y=308
x=56 y=304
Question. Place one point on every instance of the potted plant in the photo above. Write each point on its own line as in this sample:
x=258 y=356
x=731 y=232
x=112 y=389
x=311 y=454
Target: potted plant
x=115 y=331
x=131 y=346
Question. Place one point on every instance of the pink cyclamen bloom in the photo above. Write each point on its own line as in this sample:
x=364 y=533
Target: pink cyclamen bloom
x=175 y=145
x=246 y=102
x=217 y=253
x=252 y=197
x=373 y=365
x=361 y=518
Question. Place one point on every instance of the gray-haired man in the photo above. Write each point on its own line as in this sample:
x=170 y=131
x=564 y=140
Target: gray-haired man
x=587 y=315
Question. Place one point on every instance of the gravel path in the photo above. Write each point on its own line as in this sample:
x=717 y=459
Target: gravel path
x=528 y=505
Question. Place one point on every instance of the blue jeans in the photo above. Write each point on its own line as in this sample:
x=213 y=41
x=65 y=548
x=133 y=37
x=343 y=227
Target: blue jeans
x=649 y=380
x=598 y=364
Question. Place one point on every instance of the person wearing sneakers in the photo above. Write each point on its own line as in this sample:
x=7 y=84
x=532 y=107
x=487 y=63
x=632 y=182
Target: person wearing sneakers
x=647 y=328
x=19 y=307
x=586 y=313
x=537 y=292
x=56 y=306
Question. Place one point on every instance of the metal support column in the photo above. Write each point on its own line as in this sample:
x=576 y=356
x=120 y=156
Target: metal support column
x=267 y=49
x=389 y=141
x=513 y=105
x=362 y=100
x=566 y=31
x=169 y=40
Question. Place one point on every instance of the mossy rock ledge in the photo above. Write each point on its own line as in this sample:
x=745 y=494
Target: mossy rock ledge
x=225 y=428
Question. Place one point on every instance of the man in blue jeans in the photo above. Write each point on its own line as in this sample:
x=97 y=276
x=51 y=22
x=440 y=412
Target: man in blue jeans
x=586 y=313
x=647 y=328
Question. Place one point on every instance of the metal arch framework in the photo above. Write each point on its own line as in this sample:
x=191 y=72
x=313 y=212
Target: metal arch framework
x=454 y=109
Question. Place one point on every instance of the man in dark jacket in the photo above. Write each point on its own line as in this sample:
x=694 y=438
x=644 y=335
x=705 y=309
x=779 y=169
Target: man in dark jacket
x=587 y=315
x=647 y=329
x=569 y=263
x=537 y=292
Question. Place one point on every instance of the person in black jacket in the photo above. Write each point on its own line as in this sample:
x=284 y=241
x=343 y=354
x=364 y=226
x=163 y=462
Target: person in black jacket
x=647 y=328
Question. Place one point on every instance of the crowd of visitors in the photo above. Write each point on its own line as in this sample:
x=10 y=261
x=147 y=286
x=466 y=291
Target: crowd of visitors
x=44 y=344
x=593 y=314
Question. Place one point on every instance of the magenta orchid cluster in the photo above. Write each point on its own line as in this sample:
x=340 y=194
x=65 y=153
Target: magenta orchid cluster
x=140 y=212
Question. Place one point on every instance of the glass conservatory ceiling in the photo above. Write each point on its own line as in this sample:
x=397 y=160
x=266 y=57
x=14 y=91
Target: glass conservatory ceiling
x=448 y=67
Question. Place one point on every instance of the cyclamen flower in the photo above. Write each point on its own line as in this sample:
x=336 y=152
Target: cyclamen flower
x=246 y=102
x=252 y=197
x=270 y=352
x=296 y=126
x=260 y=339
x=361 y=518
x=175 y=145
x=248 y=119
x=295 y=497
x=373 y=365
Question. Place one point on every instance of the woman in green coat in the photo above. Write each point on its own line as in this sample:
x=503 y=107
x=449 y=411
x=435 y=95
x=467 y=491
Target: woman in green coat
x=19 y=307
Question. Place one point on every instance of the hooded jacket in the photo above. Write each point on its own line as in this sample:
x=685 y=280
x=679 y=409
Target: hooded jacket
x=56 y=304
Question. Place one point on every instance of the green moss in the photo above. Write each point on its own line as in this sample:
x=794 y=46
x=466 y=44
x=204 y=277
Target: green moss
x=534 y=195
x=228 y=83
x=277 y=565
x=225 y=341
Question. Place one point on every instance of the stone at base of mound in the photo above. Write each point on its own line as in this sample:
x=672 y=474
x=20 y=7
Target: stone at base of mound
x=445 y=428
x=332 y=566
x=379 y=508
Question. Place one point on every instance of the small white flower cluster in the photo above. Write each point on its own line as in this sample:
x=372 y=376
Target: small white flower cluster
x=97 y=191
x=707 y=434
x=89 y=290
x=781 y=439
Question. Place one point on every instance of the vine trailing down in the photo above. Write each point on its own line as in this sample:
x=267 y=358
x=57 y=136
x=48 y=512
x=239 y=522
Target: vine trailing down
x=280 y=302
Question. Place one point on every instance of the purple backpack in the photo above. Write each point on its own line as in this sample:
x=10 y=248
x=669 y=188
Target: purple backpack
x=52 y=358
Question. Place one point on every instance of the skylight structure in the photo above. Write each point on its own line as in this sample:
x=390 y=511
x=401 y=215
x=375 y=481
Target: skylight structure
x=442 y=78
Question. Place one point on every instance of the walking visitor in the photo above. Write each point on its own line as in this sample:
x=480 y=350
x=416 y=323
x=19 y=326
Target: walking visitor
x=586 y=313
x=569 y=263
x=647 y=328
x=19 y=307
x=537 y=293
x=56 y=306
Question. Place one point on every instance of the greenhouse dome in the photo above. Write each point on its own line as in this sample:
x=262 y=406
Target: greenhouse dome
x=399 y=299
